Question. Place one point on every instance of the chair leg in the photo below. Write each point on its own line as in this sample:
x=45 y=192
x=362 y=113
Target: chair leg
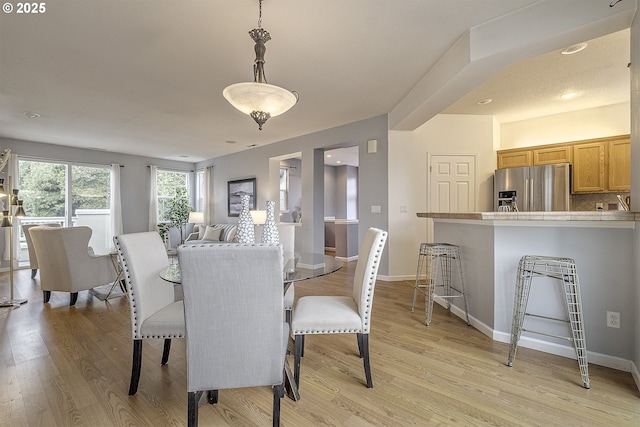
x=277 y=395
x=34 y=271
x=192 y=408
x=365 y=356
x=297 y=354
x=359 y=336
x=46 y=296
x=165 y=352
x=74 y=298
x=136 y=366
x=287 y=317
x=212 y=397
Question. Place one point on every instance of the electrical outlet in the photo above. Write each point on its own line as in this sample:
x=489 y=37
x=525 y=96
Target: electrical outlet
x=613 y=319
x=599 y=206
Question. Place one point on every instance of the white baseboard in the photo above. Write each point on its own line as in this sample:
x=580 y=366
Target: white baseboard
x=600 y=359
x=347 y=259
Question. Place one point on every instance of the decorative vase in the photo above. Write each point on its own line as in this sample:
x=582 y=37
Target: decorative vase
x=245 y=232
x=270 y=229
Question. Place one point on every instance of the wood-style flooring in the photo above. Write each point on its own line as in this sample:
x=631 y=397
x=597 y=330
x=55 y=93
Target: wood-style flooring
x=70 y=366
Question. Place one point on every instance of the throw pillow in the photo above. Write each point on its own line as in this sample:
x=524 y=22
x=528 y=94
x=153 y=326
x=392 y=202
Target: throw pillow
x=211 y=233
x=201 y=230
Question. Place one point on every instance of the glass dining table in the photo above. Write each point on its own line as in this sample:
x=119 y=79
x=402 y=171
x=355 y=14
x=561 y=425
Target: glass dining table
x=298 y=266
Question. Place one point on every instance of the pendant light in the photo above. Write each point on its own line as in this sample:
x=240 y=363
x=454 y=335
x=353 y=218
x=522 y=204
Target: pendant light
x=259 y=99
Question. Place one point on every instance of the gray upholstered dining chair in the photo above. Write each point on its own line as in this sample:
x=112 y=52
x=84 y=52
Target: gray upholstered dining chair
x=33 y=259
x=233 y=303
x=67 y=263
x=154 y=311
x=287 y=234
x=343 y=314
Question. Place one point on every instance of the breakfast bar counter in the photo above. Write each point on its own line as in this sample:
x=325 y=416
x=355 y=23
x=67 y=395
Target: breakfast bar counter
x=601 y=243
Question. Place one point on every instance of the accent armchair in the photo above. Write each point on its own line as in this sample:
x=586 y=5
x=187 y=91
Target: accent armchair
x=67 y=263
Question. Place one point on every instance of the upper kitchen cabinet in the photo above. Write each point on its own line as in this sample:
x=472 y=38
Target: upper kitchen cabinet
x=552 y=155
x=589 y=168
x=620 y=165
x=514 y=158
x=601 y=165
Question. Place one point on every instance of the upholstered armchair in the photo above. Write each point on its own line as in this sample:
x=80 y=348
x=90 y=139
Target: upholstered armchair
x=33 y=259
x=66 y=262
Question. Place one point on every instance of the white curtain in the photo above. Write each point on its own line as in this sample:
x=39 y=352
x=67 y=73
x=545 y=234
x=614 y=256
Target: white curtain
x=12 y=178
x=116 y=204
x=153 y=199
x=208 y=187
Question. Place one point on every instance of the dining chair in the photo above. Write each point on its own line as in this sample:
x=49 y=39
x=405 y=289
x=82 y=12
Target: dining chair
x=67 y=262
x=287 y=234
x=154 y=311
x=236 y=337
x=343 y=314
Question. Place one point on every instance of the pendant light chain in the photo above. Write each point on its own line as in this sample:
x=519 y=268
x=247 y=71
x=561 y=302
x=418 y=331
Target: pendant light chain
x=260 y=14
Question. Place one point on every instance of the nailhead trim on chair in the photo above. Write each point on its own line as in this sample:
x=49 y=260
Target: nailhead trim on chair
x=132 y=301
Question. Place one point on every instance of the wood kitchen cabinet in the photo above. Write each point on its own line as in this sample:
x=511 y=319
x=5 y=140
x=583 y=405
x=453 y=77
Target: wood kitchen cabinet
x=514 y=158
x=601 y=165
x=620 y=166
x=589 y=168
x=552 y=155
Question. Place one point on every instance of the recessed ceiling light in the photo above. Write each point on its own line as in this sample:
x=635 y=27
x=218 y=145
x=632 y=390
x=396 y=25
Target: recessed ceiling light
x=31 y=115
x=230 y=142
x=184 y=156
x=568 y=95
x=485 y=101
x=338 y=161
x=328 y=155
x=573 y=49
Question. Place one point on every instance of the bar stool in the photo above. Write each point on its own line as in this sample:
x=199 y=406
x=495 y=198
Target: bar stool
x=431 y=256
x=564 y=270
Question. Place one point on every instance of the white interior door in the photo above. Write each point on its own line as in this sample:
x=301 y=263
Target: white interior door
x=451 y=185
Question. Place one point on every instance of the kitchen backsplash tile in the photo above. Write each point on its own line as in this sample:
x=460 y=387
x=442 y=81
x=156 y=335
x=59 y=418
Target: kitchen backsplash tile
x=587 y=202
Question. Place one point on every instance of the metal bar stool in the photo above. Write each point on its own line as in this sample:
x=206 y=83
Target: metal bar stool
x=431 y=256
x=563 y=269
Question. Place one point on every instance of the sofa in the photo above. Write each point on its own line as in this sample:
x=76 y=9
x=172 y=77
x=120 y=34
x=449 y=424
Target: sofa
x=213 y=233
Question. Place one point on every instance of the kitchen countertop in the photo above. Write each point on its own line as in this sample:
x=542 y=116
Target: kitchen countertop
x=536 y=216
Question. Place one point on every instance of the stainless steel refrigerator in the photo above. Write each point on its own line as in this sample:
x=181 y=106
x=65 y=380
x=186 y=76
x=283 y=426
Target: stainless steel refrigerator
x=537 y=188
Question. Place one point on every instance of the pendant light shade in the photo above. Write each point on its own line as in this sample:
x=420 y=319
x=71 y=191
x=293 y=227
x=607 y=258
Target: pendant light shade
x=259 y=99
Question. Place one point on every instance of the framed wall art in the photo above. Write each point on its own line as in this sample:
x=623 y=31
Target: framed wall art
x=237 y=188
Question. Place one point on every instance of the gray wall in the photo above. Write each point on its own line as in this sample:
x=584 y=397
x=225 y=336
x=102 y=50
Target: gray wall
x=329 y=191
x=372 y=186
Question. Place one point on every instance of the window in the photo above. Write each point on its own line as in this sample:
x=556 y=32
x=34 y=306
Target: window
x=69 y=195
x=169 y=185
x=284 y=189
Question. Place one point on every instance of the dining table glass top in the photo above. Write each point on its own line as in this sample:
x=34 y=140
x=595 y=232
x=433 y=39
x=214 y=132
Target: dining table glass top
x=297 y=266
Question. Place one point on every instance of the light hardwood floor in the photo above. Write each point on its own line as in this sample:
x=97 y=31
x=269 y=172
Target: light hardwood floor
x=70 y=366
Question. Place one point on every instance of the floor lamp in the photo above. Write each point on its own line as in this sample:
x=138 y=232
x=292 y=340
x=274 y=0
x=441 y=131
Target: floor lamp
x=8 y=217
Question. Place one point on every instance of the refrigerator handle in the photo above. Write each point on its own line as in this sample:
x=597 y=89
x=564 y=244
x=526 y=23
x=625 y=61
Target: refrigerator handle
x=525 y=202
x=531 y=203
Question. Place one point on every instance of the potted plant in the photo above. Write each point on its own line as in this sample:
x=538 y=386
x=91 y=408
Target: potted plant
x=176 y=215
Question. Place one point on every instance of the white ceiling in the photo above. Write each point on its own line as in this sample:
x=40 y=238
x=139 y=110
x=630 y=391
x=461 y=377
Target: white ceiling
x=146 y=78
